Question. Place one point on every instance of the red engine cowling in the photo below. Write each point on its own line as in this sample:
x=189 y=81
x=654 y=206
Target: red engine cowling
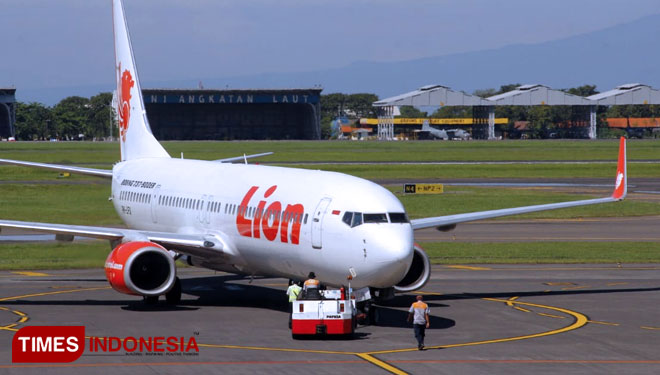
x=418 y=273
x=140 y=268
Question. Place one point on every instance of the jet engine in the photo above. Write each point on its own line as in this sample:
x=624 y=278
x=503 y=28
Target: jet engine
x=418 y=273
x=140 y=268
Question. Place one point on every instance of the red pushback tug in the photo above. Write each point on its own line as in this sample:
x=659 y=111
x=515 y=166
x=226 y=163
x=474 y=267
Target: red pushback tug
x=333 y=314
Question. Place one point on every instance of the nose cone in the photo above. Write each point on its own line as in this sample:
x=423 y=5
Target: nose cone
x=390 y=252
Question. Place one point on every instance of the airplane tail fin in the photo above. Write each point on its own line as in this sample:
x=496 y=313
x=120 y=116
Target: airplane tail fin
x=425 y=125
x=135 y=137
x=621 y=183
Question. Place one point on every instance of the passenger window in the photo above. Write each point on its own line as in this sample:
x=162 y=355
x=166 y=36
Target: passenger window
x=375 y=218
x=305 y=221
x=357 y=219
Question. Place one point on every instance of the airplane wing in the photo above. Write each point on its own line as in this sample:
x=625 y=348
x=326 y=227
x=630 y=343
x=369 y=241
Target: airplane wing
x=189 y=244
x=449 y=221
x=61 y=168
x=244 y=157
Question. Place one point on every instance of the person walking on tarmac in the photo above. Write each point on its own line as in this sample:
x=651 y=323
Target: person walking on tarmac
x=419 y=315
x=311 y=287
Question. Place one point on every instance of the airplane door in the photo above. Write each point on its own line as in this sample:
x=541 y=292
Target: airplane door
x=155 y=194
x=207 y=210
x=201 y=213
x=317 y=222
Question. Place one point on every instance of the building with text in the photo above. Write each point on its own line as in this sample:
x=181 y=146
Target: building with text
x=203 y=114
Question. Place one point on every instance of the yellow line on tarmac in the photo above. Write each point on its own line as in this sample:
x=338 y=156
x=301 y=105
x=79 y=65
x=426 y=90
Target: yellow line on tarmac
x=510 y=303
x=471 y=268
x=381 y=364
x=613 y=284
x=551 y=316
x=580 y=321
x=604 y=323
x=51 y=293
x=29 y=273
x=652 y=328
x=427 y=293
x=274 y=349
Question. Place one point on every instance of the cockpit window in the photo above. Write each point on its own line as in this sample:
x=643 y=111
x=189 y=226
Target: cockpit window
x=375 y=218
x=357 y=219
x=348 y=217
x=398 y=217
x=352 y=219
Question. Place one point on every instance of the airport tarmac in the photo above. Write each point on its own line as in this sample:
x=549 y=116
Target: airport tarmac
x=484 y=319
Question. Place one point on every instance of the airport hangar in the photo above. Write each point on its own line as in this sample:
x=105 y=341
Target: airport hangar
x=526 y=95
x=207 y=114
x=7 y=112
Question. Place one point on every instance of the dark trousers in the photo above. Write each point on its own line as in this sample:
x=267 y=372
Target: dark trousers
x=420 y=330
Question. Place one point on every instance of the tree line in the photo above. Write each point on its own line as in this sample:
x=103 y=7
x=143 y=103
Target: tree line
x=72 y=118
x=94 y=118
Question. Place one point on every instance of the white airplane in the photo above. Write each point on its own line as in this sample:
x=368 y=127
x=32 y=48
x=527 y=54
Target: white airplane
x=250 y=219
x=432 y=132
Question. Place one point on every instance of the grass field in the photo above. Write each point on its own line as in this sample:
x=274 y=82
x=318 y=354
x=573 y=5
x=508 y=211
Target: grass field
x=296 y=151
x=103 y=155
x=38 y=195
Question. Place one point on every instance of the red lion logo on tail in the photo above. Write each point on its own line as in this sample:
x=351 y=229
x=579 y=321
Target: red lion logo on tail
x=124 y=101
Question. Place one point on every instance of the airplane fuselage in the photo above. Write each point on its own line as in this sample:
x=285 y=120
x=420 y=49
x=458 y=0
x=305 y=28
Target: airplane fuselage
x=271 y=220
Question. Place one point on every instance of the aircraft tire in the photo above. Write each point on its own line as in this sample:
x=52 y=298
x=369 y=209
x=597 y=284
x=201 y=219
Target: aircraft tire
x=173 y=297
x=150 y=300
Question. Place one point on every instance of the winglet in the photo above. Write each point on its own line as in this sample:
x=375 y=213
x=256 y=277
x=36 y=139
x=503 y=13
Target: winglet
x=621 y=184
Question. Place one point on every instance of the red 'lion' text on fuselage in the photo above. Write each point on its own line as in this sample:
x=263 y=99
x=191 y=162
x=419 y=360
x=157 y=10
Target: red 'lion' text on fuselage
x=269 y=220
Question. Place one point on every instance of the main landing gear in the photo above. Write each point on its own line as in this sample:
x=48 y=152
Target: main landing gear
x=368 y=313
x=173 y=297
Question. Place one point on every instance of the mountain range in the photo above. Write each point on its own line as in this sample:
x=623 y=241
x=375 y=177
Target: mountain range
x=609 y=57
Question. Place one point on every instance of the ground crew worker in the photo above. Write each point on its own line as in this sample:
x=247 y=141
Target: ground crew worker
x=293 y=292
x=312 y=286
x=419 y=315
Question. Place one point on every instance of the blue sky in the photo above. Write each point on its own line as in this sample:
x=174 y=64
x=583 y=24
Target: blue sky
x=50 y=43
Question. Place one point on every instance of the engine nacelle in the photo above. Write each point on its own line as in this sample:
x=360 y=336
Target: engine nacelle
x=418 y=273
x=140 y=268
